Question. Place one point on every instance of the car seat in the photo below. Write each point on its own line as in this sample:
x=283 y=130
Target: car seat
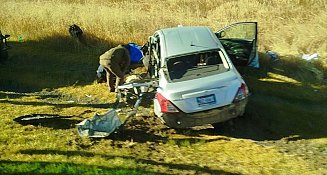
x=212 y=60
x=178 y=69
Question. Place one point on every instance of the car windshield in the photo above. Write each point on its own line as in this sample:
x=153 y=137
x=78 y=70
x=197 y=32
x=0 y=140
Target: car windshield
x=197 y=65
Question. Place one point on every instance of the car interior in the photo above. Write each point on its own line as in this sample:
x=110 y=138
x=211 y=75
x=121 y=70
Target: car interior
x=194 y=66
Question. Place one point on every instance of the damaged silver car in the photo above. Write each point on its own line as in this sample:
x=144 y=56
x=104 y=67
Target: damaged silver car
x=198 y=82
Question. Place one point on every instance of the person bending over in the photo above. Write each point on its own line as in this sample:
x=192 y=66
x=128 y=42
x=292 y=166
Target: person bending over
x=116 y=62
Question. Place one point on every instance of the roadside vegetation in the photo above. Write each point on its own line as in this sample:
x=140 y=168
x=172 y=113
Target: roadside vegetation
x=48 y=72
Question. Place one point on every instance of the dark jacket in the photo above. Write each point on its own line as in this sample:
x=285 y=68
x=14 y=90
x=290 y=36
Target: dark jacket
x=117 y=60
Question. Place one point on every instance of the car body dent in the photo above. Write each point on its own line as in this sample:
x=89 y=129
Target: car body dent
x=186 y=94
x=216 y=115
x=186 y=40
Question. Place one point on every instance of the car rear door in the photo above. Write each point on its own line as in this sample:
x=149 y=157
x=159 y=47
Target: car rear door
x=240 y=42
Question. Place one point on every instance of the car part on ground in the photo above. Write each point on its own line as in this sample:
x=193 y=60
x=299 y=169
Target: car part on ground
x=48 y=120
x=135 y=92
x=103 y=125
x=99 y=125
x=37 y=118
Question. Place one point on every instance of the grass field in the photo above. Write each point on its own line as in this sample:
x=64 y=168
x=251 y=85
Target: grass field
x=48 y=72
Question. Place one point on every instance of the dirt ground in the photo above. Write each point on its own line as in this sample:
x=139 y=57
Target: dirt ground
x=146 y=133
x=145 y=129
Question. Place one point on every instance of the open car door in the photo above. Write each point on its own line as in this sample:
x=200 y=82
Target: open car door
x=240 y=43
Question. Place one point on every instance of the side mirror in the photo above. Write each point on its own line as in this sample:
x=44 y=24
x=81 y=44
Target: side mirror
x=7 y=36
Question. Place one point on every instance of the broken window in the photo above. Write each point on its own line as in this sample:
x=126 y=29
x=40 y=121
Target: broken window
x=197 y=65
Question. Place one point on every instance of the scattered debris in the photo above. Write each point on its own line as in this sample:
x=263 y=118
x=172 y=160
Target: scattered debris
x=36 y=117
x=104 y=125
x=309 y=57
x=47 y=120
x=99 y=125
x=272 y=55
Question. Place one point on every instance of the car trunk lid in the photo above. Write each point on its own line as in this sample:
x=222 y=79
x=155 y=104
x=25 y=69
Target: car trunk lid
x=204 y=93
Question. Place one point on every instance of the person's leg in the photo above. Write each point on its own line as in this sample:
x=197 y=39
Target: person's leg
x=110 y=80
x=117 y=73
x=119 y=81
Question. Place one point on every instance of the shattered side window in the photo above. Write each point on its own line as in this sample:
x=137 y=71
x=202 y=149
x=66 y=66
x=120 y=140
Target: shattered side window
x=197 y=65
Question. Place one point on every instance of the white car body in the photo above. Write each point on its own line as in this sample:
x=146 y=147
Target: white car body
x=197 y=81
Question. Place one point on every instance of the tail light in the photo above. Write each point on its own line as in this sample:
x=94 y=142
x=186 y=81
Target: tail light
x=165 y=105
x=242 y=93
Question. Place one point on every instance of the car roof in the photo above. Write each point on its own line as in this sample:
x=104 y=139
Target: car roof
x=189 y=39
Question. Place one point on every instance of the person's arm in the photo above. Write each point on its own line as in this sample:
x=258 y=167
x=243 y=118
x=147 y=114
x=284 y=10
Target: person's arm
x=115 y=65
x=127 y=64
x=115 y=69
x=126 y=61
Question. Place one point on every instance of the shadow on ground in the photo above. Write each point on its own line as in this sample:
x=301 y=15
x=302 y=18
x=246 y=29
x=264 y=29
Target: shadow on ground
x=36 y=167
x=52 y=62
x=181 y=167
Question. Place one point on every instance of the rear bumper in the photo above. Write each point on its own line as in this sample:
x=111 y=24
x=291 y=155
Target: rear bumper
x=184 y=120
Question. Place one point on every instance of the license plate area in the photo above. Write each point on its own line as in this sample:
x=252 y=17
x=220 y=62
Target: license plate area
x=206 y=100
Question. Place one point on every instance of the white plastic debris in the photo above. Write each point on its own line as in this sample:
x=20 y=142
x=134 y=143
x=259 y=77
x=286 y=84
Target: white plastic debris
x=310 y=57
x=99 y=125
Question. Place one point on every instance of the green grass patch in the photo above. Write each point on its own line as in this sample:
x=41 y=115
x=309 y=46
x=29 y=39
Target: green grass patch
x=20 y=167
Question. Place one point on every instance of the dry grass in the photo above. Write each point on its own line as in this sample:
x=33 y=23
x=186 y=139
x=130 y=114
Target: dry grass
x=288 y=27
